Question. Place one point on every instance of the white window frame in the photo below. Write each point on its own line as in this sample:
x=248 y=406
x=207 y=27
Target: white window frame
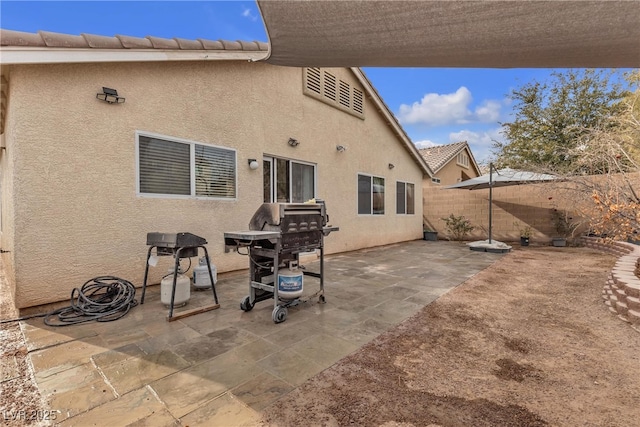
x=405 y=198
x=371 y=213
x=192 y=168
x=274 y=173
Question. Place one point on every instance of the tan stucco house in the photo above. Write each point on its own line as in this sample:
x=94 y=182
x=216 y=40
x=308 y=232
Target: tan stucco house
x=84 y=180
x=450 y=163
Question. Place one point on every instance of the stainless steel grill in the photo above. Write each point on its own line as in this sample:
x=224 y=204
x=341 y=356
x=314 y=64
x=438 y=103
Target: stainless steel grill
x=278 y=233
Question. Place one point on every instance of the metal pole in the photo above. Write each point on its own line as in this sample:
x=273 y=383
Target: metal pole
x=490 y=197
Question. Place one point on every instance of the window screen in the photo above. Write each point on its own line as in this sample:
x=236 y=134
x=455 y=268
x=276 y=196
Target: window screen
x=164 y=167
x=170 y=167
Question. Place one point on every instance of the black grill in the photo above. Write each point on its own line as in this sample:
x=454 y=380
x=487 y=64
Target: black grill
x=278 y=233
x=300 y=224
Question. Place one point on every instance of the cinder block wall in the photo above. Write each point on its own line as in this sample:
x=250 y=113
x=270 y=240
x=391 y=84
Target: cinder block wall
x=524 y=204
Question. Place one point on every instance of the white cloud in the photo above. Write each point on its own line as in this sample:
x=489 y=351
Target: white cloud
x=489 y=111
x=480 y=142
x=436 y=109
x=247 y=13
x=425 y=143
x=451 y=108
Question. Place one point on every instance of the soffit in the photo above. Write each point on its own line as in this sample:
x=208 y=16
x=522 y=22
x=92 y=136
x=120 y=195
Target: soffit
x=460 y=33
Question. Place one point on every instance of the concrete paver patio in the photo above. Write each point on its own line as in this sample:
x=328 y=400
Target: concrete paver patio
x=224 y=366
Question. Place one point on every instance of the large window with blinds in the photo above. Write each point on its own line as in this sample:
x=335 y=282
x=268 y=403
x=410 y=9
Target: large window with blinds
x=174 y=167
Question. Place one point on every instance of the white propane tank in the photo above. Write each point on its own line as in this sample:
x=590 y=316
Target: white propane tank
x=290 y=282
x=201 y=279
x=183 y=289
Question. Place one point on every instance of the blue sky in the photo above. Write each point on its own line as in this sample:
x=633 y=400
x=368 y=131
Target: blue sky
x=434 y=105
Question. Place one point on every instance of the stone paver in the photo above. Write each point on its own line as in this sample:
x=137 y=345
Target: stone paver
x=224 y=366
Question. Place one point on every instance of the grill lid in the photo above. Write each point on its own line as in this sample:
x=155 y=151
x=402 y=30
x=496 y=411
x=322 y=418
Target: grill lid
x=270 y=216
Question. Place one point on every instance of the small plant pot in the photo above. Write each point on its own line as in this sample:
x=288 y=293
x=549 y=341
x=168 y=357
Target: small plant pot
x=431 y=236
x=524 y=241
x=559 y=242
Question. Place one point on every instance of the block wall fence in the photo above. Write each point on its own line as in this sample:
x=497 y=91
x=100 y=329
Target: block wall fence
x=513 y=208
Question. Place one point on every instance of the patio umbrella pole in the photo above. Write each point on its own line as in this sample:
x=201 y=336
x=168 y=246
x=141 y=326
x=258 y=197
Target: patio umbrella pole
x=490 y=197
x=504 y=177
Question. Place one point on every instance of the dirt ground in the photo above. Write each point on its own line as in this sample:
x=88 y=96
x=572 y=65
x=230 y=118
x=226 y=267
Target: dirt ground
x=526 y=342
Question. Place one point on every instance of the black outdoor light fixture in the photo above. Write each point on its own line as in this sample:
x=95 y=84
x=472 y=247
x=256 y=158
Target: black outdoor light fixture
x=391 y=166
x=110 y=96
x=293 y=142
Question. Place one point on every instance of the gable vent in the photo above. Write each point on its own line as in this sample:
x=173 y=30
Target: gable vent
x=358 y=98
x=313 y=80
x=344 y=94
x=328 y=88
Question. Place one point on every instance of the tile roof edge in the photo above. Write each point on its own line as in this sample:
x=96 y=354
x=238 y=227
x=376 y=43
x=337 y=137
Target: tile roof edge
x=13 y=38
x=452 y=150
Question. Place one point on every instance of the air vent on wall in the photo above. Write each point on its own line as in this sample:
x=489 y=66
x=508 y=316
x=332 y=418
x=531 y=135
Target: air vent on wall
x=326 y=87
x=358 y=98
x=330 y=86
x=344 y=94
x=313 y=80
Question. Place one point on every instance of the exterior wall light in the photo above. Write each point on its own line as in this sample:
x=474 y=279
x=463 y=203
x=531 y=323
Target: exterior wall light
x=341 y=148
x=253 y=164
x=110 y=96
x=293 y=142
x=391 y=166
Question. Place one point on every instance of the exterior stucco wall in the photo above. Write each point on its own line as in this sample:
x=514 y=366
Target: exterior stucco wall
x=7 y=156
x=76 y=213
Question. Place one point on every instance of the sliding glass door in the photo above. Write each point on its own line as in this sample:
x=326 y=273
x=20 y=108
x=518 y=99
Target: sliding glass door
x=288 y=181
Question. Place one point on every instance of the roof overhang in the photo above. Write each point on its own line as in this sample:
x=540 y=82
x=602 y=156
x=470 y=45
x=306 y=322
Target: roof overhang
x=460 y=33
x=47 y=55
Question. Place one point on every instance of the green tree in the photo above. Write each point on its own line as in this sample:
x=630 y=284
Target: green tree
x=553 y=117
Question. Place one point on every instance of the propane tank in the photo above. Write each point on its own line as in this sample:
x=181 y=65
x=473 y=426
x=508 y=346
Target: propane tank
x=183 y=289
x=290 y=282
x=201 y=279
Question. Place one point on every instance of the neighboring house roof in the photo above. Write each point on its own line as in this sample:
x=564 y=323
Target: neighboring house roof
x=45 y=47
x=439 y=156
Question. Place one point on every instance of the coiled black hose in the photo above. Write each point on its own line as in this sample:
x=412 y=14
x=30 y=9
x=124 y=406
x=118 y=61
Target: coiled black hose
x=103 y=299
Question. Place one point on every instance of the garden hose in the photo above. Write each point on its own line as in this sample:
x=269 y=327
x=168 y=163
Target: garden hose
x=103 y=299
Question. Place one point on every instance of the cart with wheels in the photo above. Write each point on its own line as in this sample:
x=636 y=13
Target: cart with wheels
x=278 y=234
